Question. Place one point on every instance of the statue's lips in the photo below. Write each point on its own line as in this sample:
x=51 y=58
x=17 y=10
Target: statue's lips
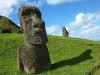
x=38 y=30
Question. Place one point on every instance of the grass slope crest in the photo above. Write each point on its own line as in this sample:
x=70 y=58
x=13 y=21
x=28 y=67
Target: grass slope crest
x=6 y=23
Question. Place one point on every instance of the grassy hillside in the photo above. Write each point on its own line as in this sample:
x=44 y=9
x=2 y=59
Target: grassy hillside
x=69 y=56
x=7 y=23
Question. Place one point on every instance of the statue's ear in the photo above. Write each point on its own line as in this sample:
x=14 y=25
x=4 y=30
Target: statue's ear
x=21 y=27
x=20 y=13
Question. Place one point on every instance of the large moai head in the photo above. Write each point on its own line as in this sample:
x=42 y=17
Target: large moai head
x=32 y=25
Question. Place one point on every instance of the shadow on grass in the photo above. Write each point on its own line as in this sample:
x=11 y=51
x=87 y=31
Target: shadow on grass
x=81 y=58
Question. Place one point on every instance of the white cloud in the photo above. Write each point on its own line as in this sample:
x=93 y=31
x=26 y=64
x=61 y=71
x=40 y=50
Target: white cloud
x=53 y=30
x=9 y=7
x=55 y=2
x=6 y=7
x=85 y=26
x=18 y=24
x=35 y=3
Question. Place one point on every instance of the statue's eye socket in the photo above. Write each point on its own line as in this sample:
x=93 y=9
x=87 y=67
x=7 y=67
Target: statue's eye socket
x=35 y=26
x=27 y=12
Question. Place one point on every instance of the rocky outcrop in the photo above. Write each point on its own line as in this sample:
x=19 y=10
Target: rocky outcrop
x=2 y=30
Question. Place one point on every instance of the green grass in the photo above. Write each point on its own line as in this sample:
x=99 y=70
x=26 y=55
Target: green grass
x=69 y=56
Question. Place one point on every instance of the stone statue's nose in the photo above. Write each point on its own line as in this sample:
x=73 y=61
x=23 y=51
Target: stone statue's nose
x=41 y=25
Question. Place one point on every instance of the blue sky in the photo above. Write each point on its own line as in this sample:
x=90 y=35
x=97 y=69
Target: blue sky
x=81 y=17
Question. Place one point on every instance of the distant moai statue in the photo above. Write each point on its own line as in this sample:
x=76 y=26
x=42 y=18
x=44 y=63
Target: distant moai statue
x=19 y=31
x=33 y=55
x=64 y=31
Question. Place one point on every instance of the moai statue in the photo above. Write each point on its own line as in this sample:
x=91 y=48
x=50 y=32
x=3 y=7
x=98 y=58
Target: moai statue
x=64 y=31
x=33 y=55
x=19 y=31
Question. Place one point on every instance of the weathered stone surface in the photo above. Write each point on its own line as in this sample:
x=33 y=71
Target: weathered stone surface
x=32 y=55
x=33 y=58
x=64 y=31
